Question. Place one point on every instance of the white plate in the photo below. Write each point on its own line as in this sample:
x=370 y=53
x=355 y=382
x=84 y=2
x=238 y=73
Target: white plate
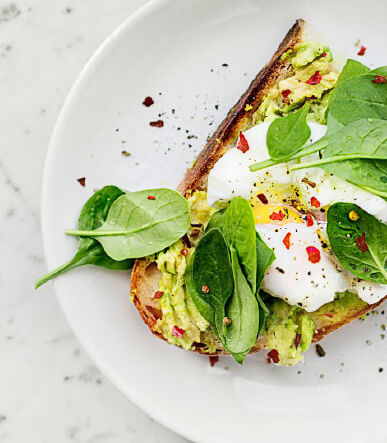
x=174 y=51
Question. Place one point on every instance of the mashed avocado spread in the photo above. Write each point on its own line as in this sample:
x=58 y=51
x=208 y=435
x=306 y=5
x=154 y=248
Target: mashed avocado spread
x=307 y=59
x=288 y=329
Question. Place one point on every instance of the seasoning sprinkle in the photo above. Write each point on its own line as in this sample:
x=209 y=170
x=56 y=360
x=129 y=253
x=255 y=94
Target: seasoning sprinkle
x=320 y=350
x=205 y=289
x=353 y=215
x=227 y=321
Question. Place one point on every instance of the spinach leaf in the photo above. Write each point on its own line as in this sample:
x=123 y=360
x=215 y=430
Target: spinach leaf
x=209 y=267
x=359 y=97
x=360 y=245
x=265 y=257
x=368 y=174
x=141 y=223
x=380 y=71
x=238 y=228
x=287 y=135
x=352 y=68
x=90 y=252
x=243 y=311
x=366 y=138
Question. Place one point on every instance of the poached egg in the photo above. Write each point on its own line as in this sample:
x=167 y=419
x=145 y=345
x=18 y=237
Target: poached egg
x=290 y=215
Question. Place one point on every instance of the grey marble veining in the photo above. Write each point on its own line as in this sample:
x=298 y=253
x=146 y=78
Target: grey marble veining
x=50 y=390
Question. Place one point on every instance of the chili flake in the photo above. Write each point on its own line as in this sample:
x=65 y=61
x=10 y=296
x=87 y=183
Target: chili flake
x=361 y=243
x=315 y=79
x=263 y=198
x=273 y=356
x=151 y=197
x=277 y=216
x=324 y=54
x=286 y=240
x=178 y=332
x=285 y=93
x=148 y=101
x=82 y=181
x=213 y=360
x=205 y=289
x=379 y=79
x=314 y=255
x=362 y=50
x=314 y=202
x=309 y=220
x=158 y=294
x=242 y=143
x=157 y=124
x=184 y=252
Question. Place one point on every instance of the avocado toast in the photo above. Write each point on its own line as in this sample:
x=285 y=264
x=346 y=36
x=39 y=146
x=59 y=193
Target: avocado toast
x=145 y=280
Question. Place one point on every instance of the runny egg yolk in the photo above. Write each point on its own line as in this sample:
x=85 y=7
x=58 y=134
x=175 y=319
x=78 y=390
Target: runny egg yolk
x=274 y=213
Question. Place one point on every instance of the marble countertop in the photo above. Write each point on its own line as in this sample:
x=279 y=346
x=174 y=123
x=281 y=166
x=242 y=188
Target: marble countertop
x=50 y=390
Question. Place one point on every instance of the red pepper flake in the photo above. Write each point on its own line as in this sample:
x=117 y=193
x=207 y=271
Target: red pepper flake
x=205 y=289
x=314 y=255
x=242 y=143
x=158 y=294
x=361 y=243
x=82 y=181
x=314 y=202
x=286 y=240
x=329 y=315
x=213 y=360
x=184 y=252
x=315 y=79
x=157 y=123
x=178 y=332
x=324 y=54
x=379 y=79
x=277 y=216
x=273 y=356
x=148 y=101
x=151 y=197
x=362 y=50
x=286 y=93
x=309 y=220
x=308 y=182
x=263 y=198
x=297 y=340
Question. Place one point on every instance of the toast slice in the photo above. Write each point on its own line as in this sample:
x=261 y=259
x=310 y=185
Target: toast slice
x=145 y=275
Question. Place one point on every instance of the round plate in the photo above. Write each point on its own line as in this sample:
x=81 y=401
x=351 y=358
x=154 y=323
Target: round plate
x=195 y=58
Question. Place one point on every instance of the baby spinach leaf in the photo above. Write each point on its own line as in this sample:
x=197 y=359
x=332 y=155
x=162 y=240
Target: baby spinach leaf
x=359 y=97
x=265 y=257
x=380 y=71
x=366 y=138
x=90 y=252
x=287 y=135
x=352 y=68
x=238 y=228
x=243 y=310
x=368 y=174
x=359 y=245
x=141 y=223
x=209 y=268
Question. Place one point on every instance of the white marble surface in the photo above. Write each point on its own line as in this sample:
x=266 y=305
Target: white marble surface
x=50 y=390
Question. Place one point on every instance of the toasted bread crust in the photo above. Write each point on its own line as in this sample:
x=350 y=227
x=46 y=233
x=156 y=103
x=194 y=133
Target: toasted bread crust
x=145 y=276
